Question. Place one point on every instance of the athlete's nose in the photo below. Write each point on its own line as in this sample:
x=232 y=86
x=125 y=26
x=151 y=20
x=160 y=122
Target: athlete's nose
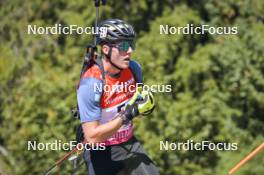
x=130 y=50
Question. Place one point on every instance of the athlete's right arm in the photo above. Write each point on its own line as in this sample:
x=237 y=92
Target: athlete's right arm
x=94 y=132
x=89 y=95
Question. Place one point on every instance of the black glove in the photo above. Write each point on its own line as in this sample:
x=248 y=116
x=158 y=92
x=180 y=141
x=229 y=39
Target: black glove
x=130 y=112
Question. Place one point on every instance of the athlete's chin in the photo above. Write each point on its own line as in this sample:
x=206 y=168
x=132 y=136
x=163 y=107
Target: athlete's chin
x=125 y=65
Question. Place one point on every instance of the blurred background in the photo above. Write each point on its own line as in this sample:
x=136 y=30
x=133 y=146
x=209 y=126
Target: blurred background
x=217 y=81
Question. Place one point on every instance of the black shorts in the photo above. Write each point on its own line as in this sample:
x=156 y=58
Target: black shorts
x=127 y=158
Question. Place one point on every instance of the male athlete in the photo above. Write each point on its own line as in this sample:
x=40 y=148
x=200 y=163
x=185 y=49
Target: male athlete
x=106 y=113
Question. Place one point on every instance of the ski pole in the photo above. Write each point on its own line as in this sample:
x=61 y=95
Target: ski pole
x=247 y=158
x=61 y=160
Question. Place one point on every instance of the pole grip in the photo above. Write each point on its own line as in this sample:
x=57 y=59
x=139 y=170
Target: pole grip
x=97 y=3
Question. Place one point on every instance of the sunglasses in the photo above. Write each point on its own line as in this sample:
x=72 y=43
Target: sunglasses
x=123 y=46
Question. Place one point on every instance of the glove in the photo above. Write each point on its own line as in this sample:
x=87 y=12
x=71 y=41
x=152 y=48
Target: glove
x=131 y=109
x=147 y=105
x=142 y=103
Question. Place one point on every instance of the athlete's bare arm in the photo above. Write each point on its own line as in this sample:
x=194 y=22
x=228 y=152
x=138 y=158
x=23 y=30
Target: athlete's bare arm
x=94 y=132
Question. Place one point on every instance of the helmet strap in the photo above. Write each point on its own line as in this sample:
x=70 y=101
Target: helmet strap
x=108 y=56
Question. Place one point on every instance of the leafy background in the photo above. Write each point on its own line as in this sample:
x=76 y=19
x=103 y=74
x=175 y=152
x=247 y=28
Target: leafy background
x=217 y=81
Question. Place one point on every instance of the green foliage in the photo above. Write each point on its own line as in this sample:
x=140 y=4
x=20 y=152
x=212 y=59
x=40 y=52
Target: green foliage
x=217 y=81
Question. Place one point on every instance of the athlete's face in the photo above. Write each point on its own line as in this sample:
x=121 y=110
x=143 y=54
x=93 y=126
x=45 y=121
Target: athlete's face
x=121 y=53
x=121 y=58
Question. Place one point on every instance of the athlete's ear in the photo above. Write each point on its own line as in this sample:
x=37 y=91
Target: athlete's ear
x=105 y=49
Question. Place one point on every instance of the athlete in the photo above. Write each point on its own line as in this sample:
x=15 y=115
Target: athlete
x=109 y=100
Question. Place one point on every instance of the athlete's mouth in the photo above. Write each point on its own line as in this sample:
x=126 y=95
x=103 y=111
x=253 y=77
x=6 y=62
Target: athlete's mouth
x=127 y=59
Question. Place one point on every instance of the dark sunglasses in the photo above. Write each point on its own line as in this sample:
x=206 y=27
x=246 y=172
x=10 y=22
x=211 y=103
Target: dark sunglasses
x=123 y=46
